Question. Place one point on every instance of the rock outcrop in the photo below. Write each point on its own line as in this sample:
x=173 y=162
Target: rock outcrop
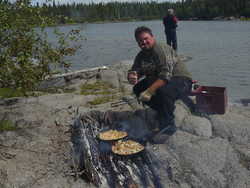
x=207 y=151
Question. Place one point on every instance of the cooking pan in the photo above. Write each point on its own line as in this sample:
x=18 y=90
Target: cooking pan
x=121 y=140
x=112 y=135
x=127 y=147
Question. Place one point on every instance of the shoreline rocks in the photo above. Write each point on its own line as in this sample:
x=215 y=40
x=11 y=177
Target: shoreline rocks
x=207 y=150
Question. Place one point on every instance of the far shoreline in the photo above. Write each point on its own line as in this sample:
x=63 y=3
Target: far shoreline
x=142 y=20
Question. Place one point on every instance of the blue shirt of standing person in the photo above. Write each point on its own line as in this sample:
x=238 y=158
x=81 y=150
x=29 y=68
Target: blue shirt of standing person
x=170 y=24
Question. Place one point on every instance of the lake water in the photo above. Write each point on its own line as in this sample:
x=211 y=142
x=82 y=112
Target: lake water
x=220 y=50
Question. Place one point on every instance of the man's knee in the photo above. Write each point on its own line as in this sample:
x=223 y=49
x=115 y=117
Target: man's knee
x=167 y=93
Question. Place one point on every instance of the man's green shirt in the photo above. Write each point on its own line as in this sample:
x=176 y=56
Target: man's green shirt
x=161 y=62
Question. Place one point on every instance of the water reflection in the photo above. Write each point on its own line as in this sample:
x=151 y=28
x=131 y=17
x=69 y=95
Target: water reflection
x=218 y=48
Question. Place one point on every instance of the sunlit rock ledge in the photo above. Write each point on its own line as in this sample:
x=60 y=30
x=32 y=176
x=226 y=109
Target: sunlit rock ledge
x=207 y=150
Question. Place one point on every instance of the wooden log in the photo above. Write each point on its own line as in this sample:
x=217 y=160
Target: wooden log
x=77 y=72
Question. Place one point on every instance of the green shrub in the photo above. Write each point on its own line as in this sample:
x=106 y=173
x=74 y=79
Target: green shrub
x=26 y=56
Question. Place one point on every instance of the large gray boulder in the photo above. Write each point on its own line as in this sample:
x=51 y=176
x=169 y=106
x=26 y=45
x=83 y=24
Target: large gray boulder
x=209 y=162
x=233 y=126
x=206 y=152
x=196 y=125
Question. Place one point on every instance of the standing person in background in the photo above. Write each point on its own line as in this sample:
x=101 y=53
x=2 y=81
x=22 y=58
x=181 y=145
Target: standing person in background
x=170 y=24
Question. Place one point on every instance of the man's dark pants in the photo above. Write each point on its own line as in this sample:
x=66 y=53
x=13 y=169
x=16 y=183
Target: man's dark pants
x=171 y=38
x=163 y=101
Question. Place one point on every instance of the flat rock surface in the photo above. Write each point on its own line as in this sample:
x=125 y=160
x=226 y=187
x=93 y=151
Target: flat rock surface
x=207 y=151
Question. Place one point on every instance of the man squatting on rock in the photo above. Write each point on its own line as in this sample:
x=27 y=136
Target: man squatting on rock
x=159 y=79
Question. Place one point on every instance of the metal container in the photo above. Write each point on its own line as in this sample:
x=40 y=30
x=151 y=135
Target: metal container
x=211 y=99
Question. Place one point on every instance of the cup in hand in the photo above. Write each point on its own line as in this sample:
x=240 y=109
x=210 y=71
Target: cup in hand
x=132 y=77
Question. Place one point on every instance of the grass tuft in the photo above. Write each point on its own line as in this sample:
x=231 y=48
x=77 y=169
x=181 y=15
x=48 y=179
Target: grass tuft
x=97 y=88
x=7 y=125
x=101 y=100
x=104 y=89
x=8 y=93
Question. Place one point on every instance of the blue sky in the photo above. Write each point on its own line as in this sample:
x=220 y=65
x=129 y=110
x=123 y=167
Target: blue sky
x=95 y=1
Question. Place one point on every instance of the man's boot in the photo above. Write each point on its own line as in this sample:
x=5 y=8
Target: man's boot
x=167 y=126
x=166 y=130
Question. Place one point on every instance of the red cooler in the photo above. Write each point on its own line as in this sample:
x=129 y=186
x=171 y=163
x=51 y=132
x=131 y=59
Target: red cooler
x=210 y=99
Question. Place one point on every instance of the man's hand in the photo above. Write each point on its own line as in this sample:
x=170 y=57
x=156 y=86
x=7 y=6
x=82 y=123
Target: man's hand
x=146 y=95
x=132 y=77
